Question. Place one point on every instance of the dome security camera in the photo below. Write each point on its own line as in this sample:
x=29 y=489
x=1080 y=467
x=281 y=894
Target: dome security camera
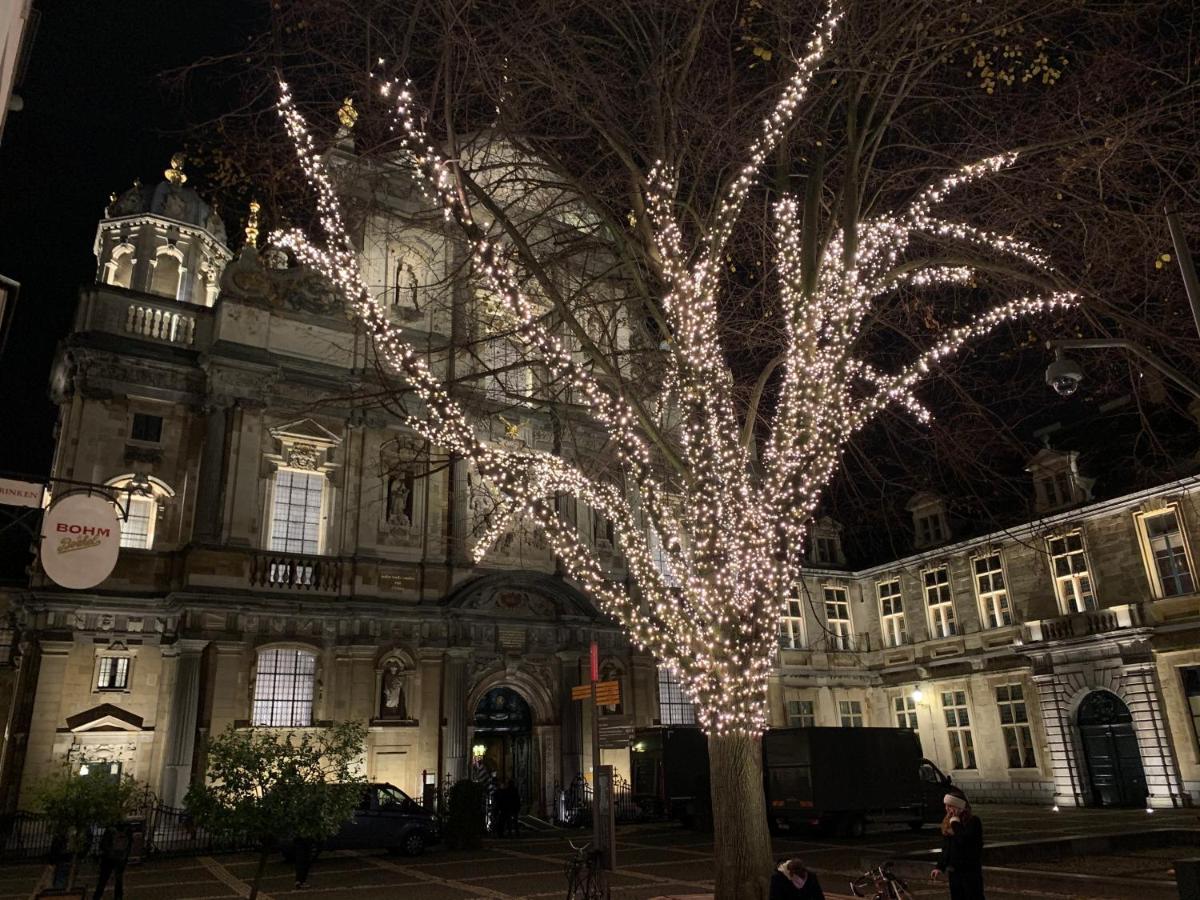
x=1064 y=375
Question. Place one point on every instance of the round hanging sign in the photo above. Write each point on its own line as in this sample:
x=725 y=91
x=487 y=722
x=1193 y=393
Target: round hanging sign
x=81 y=537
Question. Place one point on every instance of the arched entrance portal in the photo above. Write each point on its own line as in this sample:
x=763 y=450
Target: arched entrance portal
x=1110 y=751
x=502 y=747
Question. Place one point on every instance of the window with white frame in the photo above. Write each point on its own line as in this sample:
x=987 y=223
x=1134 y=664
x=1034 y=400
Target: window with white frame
x=990 y=589
x=958 y=728
x=801 y=714
x=837 y=617
x=1167 y=559
x=791 y=624
x=137 y=529
x=939 y=602
x=296 y=506
x=1014 y=722
x=850 y=713
x=112 y=673
x=891 y=613
x=284 y=683
x=674 y=708
x=905 y=708
x=1072 y=578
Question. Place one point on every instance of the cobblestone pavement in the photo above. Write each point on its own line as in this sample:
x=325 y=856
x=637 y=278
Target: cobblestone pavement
x=655 y=860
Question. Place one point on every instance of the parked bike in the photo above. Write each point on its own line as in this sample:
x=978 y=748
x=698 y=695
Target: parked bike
x=886 y=884
x=586 y=879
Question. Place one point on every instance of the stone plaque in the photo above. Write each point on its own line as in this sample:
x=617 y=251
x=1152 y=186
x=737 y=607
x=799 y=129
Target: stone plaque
x=397 y=581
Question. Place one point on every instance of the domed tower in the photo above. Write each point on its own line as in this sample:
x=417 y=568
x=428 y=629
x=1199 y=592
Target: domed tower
x=163 y=240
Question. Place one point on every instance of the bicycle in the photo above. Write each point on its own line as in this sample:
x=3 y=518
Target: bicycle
x=887 y=885
x=586 y=879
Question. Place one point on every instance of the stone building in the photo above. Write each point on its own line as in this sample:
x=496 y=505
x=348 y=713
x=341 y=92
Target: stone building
x=291 y=556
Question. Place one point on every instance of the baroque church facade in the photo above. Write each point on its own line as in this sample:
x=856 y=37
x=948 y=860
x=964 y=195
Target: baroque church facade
x=292 y=557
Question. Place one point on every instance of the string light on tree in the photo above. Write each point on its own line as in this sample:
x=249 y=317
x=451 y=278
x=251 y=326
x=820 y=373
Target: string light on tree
x=712 y=534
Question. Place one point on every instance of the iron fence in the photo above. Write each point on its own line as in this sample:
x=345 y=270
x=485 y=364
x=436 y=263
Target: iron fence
x=574 y=804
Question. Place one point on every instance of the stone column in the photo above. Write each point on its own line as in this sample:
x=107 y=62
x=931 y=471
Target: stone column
x=1142 y=694
x=46 y=718
x=455 y=709
x=571 y=739
x=207 y=527
x=181 y=726
x=1052 y=701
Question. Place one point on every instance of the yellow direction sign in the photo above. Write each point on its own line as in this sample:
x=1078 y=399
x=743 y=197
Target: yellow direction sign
x=608 y=693
x=581 y=692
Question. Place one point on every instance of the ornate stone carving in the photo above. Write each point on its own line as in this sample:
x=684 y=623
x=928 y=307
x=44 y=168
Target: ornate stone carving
x=303 y=456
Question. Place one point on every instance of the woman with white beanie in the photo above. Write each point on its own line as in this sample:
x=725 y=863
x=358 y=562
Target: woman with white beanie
x=962 y=850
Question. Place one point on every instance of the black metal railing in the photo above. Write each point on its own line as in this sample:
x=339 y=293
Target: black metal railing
x=573 y=805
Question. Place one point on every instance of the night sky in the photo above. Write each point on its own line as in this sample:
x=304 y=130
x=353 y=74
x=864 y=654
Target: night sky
x=97 y=115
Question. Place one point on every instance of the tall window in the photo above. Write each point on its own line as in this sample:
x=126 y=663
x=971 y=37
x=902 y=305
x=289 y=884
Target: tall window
x=850 y=713
x=800 y=714
x=1191 y=690
x=113 y=673
x=791 y=624
x=167 y=269
x=891 y=613
x=1014 y=722
x=296 y=511
x=508 y=379
x=1170 y=571
x=958 y=727
x=939 y=602
x=906 y=712
x=929 y=529
x=673 y=707
x=137 y=530
x=989 y=586
x=1072 y=580
x=283 y=688
x=837 y=617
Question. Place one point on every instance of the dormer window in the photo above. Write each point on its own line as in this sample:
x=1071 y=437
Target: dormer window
x=929 y=520
x=1057 y=482
x=825 y=546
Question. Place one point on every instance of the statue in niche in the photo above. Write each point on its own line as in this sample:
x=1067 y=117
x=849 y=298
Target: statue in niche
x=391 y=691
x=399 y=511
x=414 y=286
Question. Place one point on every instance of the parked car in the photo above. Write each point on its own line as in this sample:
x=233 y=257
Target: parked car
x=387 y=818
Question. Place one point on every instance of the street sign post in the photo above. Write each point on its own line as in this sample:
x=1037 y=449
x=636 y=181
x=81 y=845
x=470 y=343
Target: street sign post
x=601 y=693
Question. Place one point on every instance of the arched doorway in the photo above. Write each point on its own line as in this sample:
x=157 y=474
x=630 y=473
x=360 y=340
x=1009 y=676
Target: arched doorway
x=1110 y=751
x=502 y=747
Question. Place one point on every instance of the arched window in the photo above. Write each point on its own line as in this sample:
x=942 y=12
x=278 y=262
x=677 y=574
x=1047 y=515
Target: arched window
x=284 y=683
x=139 y=496
x=118 y=271
x=168 y=265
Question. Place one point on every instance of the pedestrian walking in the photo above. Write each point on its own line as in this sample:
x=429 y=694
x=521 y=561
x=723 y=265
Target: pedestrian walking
x=962 y=850
x=304 y=851
x=793 y=881
x=115 y=845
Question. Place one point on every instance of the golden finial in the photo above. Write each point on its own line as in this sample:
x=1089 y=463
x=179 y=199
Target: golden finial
x=175 y=173
x=347 y=114
x=252 y=225
x=512 y=430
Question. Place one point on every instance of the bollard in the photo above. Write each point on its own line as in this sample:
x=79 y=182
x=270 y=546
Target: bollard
x=1187 y=878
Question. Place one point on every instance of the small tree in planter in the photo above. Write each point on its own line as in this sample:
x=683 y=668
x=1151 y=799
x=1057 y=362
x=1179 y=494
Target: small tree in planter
x=271 y=787
x=76 y=802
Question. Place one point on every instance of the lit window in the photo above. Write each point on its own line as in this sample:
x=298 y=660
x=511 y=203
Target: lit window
x=112 y=673
x=958 y=727
x=1072 y=580
x=891 y=613
x=283 y=688
x=837 y=618
x=791 y=625
x=1170 y=570
x=296 y=511
x=850 y=713
x=1014 y=722
x=1191 y=690
x=673 y=707
x=939 y=602
x=800 y=714
x=906 y=712
x=989 y=587
x=137 y=530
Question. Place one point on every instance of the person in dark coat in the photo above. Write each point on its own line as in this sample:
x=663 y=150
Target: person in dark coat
x=793 y=881
x=512 y=807
x=115 y=845
x=962 y=850
x=304 y=851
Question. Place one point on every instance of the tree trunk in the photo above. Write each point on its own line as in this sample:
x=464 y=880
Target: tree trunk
x=258 y=873
x=739 y=809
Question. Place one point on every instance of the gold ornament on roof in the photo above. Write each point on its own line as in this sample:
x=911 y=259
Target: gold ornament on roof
x=252 y=225
x=175 y=174
x=347 y=114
